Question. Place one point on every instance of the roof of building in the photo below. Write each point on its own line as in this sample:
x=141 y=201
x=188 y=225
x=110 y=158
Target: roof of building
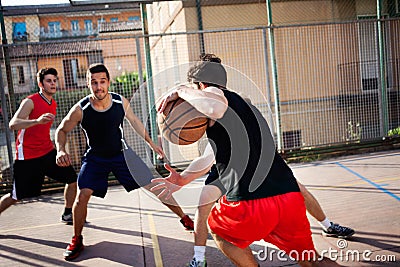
x=51 y=48
x=65 y=8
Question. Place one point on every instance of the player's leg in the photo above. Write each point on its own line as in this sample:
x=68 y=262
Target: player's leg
x=241 y=257
x=65 y=175
x=133 y=173
x=209 y=195
x=27 y=182
x=6 y=201
x=92 y=180
x=80 y=210
x=315 y=210
x=312 y=205
x=70 y=192
x=79 y=217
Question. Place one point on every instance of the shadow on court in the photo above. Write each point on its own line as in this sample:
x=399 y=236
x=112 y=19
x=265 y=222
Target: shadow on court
x=135 y=229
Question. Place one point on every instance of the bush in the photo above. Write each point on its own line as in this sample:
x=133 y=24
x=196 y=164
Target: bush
x=126 y=84
x=394 y=132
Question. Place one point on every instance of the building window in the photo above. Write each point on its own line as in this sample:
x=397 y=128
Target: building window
x=292 y=139
x=134 y=18
x=88 y=27
x=74 y=26
x=70 y=72
x=19 y=31
x=114 y=19
x=99 y=22
x=54 y=29
x=18 y=75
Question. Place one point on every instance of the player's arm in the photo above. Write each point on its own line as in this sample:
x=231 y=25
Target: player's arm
x=197 y=168
x=72 y=119
x=21 y=120
x=138 y=126
x=210 y=101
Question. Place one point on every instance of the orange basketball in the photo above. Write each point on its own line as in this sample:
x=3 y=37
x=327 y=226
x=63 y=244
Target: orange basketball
x=181 y=124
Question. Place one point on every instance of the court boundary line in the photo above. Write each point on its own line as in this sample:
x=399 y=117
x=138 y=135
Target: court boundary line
x=377 y=186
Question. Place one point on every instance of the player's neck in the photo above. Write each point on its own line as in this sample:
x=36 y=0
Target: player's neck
x=46 y=95
x=101 y=104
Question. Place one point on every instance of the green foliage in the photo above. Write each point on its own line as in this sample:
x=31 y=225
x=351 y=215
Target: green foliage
x=67 y=98
x=354 y=131
x=394 y=132
x=126 y=84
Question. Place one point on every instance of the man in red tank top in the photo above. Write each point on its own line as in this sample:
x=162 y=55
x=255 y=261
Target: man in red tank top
x=35 y=153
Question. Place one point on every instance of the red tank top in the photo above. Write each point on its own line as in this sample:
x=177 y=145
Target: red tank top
x=35 y=141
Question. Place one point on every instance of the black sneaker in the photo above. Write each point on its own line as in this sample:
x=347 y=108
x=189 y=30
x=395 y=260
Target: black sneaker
x=336 y=230
x=66 y=218
x=74 y=248
x=196 y=263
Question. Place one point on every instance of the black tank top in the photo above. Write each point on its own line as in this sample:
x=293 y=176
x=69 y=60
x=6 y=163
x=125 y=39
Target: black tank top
x=103 y=129
x=246 y=158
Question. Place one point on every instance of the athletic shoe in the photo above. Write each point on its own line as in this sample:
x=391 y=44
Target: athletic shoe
x=196 y=263
x=336 y=230
x=66 y=218
x=187 y=223
x=74 y=248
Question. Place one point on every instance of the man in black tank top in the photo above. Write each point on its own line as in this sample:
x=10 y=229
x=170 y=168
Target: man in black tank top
x=262 y=199
x=101 y=115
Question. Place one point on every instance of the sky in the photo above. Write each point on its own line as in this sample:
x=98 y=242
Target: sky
x=31 y=2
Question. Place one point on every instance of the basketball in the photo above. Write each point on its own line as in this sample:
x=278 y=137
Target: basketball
x=181 y=124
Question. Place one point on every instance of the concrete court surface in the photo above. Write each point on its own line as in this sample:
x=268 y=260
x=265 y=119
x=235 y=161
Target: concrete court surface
x=136 y=230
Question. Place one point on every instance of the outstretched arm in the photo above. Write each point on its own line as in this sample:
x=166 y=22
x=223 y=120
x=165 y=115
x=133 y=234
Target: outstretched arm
x=72 y=119
x=197 y=168
x=138 y=126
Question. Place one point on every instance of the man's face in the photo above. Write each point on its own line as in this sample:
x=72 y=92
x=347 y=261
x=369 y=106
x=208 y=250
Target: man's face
x=49 y=84
x=98 y=85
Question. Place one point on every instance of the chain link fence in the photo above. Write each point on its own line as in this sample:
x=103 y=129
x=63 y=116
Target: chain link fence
x=321 y=83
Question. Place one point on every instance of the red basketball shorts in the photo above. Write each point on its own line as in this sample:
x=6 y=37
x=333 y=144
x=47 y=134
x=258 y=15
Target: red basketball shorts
x=280 y=220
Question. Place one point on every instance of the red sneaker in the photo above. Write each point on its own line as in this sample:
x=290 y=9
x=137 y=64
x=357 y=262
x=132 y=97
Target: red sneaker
x=187 y=223
x=74 y=248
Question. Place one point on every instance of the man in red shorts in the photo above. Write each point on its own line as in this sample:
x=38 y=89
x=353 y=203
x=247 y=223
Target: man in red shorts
x=36 y=156
x=262 y=199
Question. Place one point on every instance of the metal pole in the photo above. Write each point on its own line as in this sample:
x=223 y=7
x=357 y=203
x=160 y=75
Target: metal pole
x=384 y=116
x=267 y=84
x=274 y=77
x=3 y=97
x=149 y=75
x=6 y=129
x=142 y=89
x=7 y=61
x=200 y=22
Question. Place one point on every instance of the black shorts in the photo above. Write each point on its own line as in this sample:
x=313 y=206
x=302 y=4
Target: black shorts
x=29 y=175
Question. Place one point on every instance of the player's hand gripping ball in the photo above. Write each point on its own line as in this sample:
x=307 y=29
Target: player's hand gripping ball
x=180 y=123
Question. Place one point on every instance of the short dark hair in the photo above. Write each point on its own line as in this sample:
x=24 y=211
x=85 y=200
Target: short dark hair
x=43 y=72
x=97 y=68
x=208 y=70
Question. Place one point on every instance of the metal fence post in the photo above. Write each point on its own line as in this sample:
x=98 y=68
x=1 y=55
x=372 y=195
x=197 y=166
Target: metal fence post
x=149 y=75
x=142 y=88
x=383 y=103
x=274 y=77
